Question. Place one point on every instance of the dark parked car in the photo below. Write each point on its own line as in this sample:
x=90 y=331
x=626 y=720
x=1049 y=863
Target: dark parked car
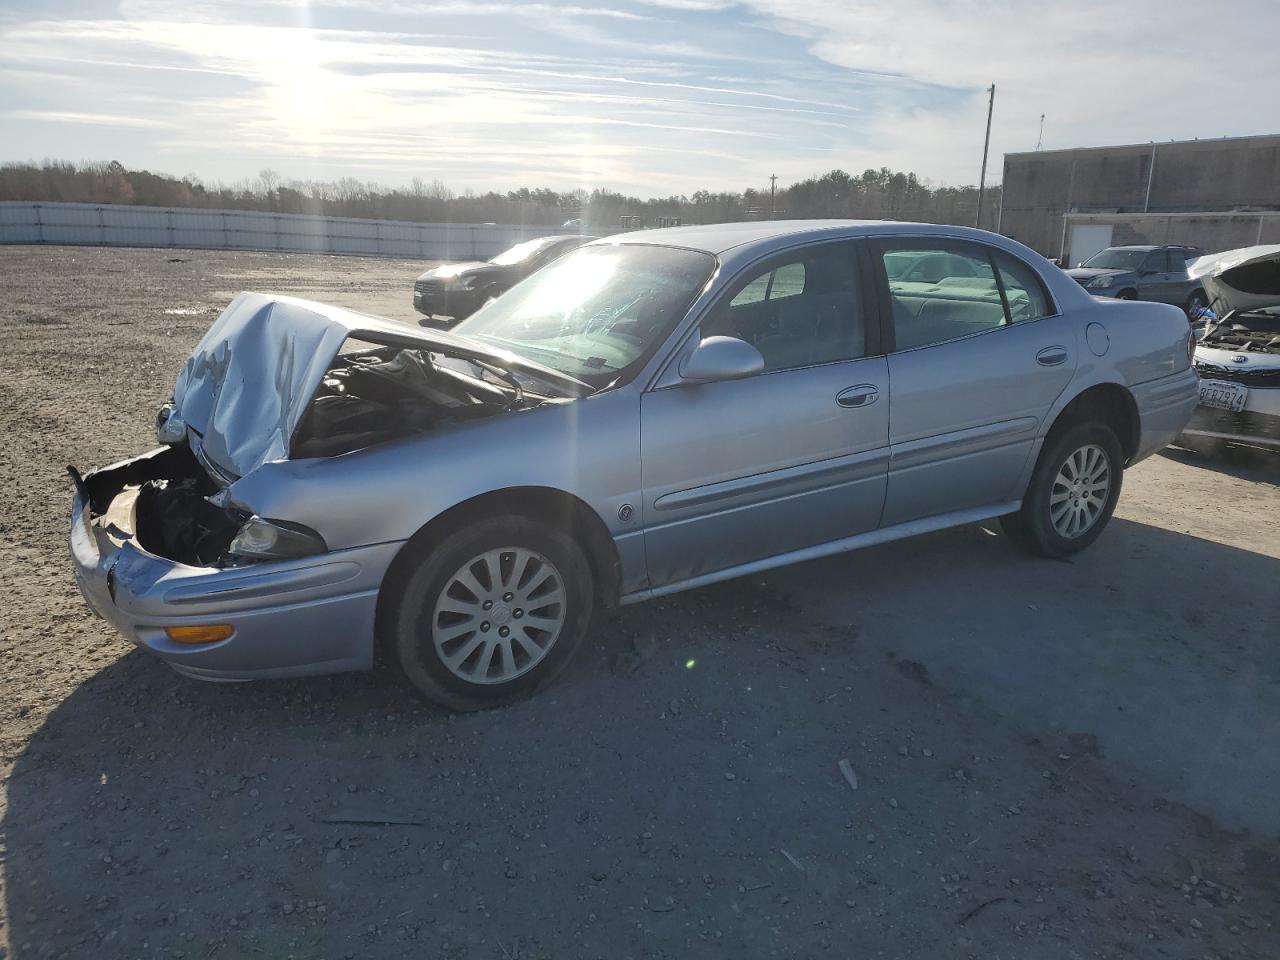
x=453 y=291
x=1143 y=273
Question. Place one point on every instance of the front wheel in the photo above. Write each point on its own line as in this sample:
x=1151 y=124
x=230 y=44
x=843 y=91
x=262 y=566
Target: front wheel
x=491 y=613
x=1196 y=305
x=1072 y=494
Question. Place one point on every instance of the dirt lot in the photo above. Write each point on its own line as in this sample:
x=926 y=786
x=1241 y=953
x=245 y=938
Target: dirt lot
x=1054 y=760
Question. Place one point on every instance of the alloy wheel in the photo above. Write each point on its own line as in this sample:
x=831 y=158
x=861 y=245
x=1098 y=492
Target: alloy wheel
x=1080 y=490
x=499 y=615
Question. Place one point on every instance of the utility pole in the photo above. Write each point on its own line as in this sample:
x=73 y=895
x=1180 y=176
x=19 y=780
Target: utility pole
x=1040 y=139
x=773 y=192
x=982 y=180
x=1151 y=172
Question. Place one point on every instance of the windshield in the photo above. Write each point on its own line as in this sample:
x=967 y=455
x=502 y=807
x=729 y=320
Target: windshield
x=1117 y=258
x=596 y=313
x=521 y=252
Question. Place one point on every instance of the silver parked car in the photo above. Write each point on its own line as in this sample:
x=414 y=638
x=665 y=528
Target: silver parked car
x=651 y=413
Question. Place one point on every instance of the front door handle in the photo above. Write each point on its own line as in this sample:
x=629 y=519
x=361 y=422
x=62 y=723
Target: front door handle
x=862 y=395
x=1052 y=356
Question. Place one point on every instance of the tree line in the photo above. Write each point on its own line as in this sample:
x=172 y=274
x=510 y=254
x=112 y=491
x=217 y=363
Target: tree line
x=881 y=194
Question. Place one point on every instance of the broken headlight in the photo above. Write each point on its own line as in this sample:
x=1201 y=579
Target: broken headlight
x=262 y=539
x=170 y=428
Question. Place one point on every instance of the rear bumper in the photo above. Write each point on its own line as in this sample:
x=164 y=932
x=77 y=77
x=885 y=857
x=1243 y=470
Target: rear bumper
x=1164 y=408
x=290 y=618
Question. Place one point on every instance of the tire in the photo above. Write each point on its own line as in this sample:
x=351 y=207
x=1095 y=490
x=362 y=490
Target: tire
x=1126 y=295
x=434 y=618
x=1074 y=449
x=1195 y=304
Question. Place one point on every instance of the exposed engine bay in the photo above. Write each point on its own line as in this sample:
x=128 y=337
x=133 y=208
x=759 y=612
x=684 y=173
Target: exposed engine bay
x=169 y=502
x=1256 y=330
x=279 y=379
x=161 y=501
x=386 y=393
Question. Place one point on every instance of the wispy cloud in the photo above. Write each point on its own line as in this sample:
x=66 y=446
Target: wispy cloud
x=657 y=97
x=93 y=119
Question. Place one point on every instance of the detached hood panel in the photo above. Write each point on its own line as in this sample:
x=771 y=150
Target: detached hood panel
x=251 y=377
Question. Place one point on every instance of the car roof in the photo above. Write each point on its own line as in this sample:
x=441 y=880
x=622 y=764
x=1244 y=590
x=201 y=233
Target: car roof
x=1153 y=246
x=761 y=235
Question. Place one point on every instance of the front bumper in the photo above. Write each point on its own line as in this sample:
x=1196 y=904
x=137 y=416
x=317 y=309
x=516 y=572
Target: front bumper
x=1257 y=424
x=434 y=299
x=290 y=618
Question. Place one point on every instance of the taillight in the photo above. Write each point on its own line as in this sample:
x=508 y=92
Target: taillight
x=1191 y=346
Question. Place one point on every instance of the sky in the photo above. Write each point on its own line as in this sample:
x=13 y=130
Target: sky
x=650 y=98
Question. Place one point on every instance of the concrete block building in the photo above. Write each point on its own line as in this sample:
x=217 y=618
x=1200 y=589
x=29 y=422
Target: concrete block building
x=1215 y=194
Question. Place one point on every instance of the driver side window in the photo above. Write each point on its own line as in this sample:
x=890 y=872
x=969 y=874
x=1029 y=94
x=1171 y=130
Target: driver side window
x=798 y=312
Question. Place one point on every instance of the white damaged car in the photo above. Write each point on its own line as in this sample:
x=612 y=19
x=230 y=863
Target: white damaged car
x=1238 y=356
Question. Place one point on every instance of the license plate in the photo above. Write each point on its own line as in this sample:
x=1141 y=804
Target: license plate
x=1222 y=395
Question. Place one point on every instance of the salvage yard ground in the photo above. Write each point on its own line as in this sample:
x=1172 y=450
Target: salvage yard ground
x=1052 y=760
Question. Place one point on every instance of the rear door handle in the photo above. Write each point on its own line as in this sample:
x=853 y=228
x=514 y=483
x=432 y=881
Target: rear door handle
x=1051 y=356
x=861 y=395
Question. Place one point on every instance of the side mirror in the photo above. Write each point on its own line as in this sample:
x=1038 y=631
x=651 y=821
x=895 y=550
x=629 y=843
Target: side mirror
x=721 y=358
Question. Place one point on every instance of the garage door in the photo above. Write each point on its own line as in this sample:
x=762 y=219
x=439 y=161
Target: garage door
x=1086 y=240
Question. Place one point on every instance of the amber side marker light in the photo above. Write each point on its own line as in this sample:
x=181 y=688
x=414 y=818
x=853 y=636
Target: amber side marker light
x=211 y=633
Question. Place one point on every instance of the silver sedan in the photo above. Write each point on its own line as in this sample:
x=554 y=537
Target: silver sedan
x=651 y=413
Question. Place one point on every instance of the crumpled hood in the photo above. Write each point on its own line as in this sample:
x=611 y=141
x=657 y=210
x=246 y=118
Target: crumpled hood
x=1088 y=273
x=1243 y=279
x=249 y=380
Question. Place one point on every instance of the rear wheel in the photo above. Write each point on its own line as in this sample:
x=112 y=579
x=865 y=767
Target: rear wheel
x=1196 y=303
x=1072 y=494
x=491 y=613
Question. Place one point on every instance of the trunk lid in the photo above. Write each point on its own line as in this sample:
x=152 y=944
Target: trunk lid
x=250 y=379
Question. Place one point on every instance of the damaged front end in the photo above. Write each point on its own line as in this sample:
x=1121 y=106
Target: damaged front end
x=166 y=546
x=1238 y=354
x=277 y=378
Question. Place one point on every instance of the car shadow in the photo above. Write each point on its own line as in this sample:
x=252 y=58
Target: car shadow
x=1235 y=460
x=1156 y=645
x=341 y=816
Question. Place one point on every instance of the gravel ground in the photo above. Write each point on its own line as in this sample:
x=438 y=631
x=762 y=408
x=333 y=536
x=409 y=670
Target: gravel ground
x=1051 y=760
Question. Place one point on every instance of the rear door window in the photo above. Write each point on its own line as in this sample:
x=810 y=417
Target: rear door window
x=944 y=290
x=941 y=292
x=1024 y=292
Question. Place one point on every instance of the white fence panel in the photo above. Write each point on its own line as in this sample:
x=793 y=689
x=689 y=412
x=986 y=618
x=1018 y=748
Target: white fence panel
x=120 y=225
